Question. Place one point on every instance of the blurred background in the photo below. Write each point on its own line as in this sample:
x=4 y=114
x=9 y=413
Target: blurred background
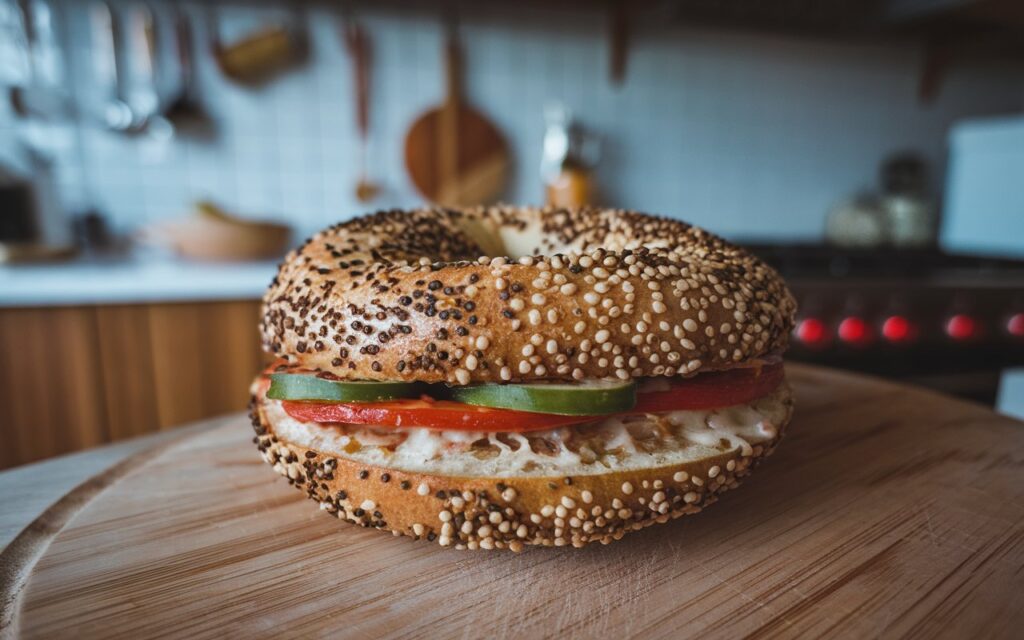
x=158 y=158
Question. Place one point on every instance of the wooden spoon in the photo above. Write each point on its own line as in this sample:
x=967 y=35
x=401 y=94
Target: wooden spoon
x=358 y=43
x=454 y=154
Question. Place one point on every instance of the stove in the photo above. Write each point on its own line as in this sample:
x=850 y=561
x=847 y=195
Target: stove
x=950 y=322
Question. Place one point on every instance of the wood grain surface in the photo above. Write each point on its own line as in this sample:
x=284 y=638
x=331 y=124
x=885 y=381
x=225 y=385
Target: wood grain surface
x=887 y=512
x=454 y=155
x=119 y=371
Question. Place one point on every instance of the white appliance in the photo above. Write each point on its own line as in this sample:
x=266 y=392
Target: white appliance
x=984 y=203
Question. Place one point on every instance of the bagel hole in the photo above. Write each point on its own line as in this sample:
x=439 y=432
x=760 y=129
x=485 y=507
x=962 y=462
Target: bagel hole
x=498 y=240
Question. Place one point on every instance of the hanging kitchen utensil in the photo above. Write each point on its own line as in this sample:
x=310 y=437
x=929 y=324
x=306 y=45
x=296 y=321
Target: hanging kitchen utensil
x=357 y=41
x=186 y=110
x=38 y=87
x=454 y=154
x=16 y=58
x=116 y=114
x=265 y=53
x=144 y=95
x=618 y=42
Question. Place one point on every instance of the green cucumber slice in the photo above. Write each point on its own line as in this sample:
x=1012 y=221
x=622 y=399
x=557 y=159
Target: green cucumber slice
x=303 y=386
x=593 y=398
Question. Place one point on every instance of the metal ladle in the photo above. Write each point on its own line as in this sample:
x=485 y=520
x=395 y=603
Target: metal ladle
x=39 y=94
x=186 y=111
x=145 y=98
x=116 y=114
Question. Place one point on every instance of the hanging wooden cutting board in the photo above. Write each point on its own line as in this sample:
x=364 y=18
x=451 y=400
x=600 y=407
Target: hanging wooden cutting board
x=454 y=154
x=887 y=511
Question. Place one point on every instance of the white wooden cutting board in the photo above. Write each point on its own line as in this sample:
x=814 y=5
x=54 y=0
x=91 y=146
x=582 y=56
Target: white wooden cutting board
x=886 y=512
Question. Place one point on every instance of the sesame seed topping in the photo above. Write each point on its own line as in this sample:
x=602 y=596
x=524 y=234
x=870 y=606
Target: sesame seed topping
x=441 y=311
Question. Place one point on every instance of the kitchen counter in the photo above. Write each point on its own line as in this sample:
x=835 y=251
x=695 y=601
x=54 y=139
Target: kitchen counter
x=135 y=279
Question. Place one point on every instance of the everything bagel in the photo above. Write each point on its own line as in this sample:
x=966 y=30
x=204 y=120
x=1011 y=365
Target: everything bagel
x=493 y=378
x=516 y=294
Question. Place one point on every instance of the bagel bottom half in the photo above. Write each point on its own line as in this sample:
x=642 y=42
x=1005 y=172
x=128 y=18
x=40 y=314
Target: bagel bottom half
x=509 y=510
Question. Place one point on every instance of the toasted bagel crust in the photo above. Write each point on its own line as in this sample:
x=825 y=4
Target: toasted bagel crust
x=506 y=513
x=588 y=293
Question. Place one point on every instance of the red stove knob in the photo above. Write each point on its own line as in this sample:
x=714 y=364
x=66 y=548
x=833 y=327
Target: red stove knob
x=811 y=332
x=962 y=327
x=854 y=330
x=1015 y=325
x=898 y=329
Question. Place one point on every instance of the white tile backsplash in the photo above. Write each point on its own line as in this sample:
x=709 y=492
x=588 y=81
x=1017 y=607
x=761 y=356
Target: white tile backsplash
x=749 y=135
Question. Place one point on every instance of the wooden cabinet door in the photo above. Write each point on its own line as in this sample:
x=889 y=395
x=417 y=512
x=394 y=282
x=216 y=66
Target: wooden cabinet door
x=126 y=369
x=204 y=359
x=75 y=377
x=51 y=393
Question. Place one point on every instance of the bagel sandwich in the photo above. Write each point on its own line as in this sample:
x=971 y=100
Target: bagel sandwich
x=509 y=376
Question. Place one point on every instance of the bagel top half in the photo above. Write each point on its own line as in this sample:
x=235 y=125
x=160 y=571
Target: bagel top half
x=505 y=294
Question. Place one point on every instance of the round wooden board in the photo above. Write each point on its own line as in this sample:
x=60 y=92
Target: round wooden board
x=887 y=511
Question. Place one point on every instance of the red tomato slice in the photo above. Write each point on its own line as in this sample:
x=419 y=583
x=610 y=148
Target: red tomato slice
x=714 y=389
x=430 y=414
x=705 y=391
